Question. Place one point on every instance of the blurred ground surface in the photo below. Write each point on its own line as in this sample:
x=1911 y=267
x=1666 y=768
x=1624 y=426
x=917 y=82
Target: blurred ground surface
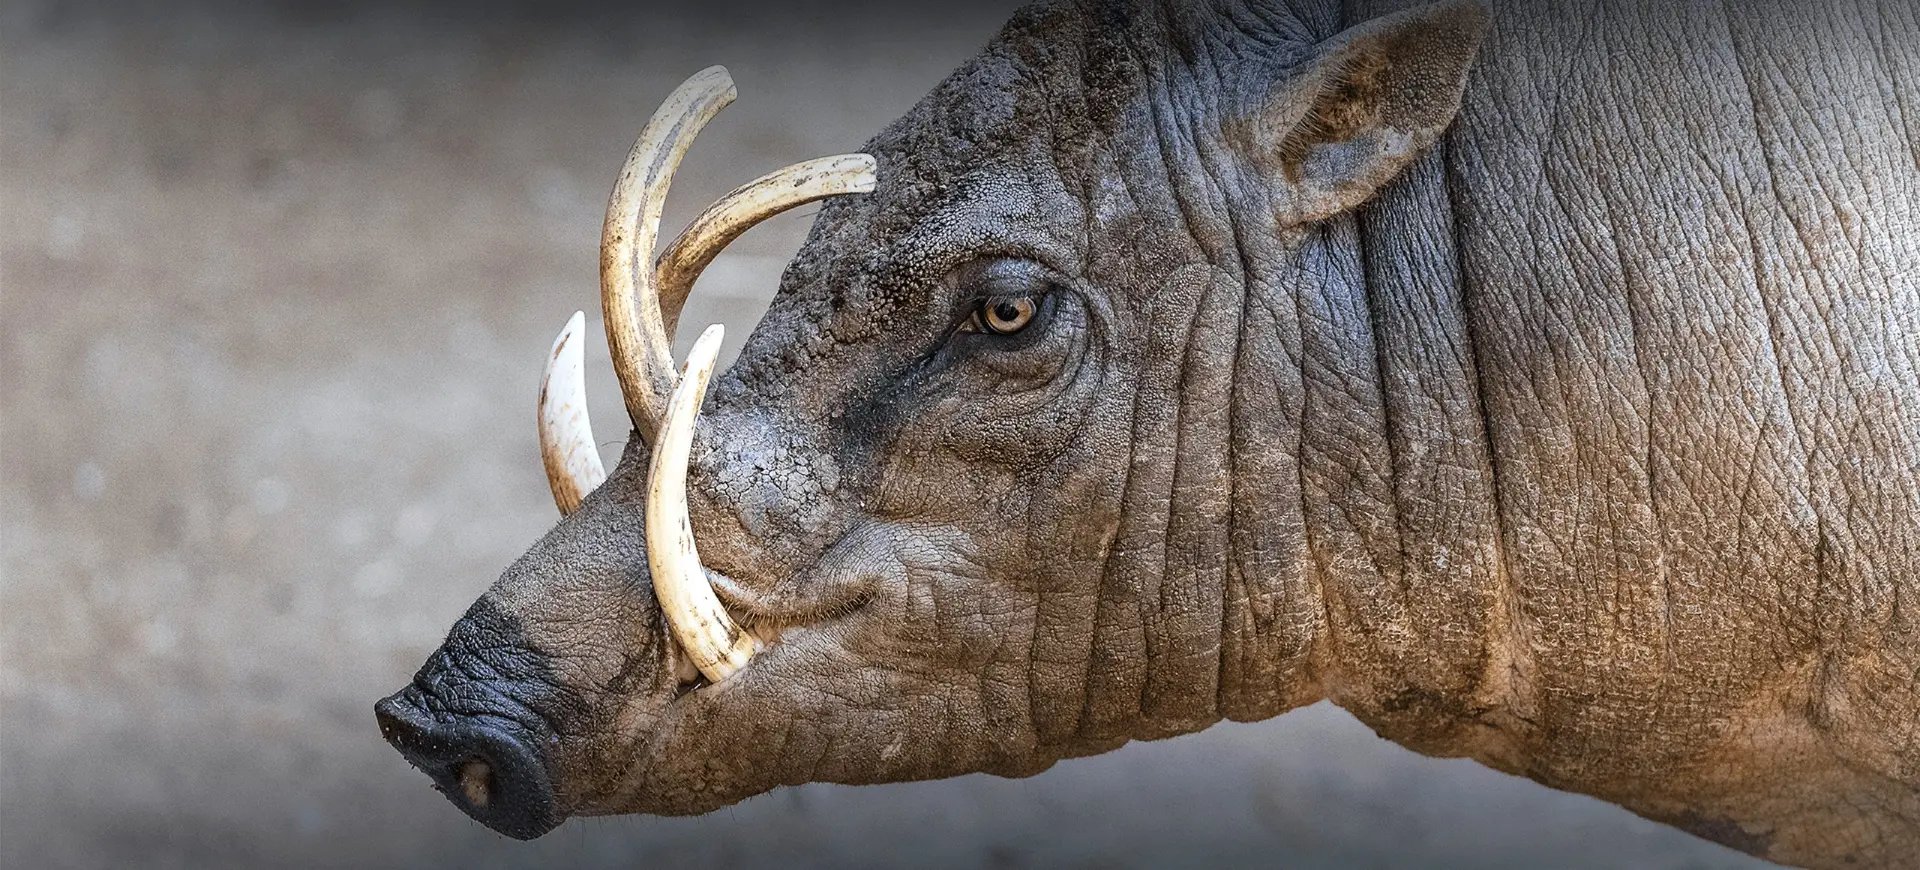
x=277 y=284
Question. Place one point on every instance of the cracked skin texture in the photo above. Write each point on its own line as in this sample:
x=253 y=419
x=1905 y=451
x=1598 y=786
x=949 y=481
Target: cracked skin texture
x=1583 y=439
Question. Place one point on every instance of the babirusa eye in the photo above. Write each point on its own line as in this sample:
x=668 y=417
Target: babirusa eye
x=1006 y=316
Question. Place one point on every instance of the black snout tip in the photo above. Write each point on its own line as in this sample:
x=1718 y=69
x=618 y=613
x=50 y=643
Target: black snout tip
x=482 y=764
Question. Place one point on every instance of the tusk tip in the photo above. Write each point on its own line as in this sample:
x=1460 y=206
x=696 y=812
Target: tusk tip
x=716 y=77
x=569 y=337
x=705 y=349
x=567 y=343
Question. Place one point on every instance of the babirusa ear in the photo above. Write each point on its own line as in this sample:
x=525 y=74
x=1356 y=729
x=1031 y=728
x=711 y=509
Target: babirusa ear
x=1334 y=130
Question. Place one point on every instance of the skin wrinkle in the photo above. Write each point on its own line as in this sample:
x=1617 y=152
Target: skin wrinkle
x=1383 y=626
x=1205 y=322
x=1897 y=91
x=1431 y=418
x=1106 y=607
x=1393 y=576
x=1389 y=433
x=1649 y=461
x=1421 y=380
x=1132 y=478
x=1211 y=530
x=1900 y=91
x=1155 y=640
x=1325 y=670
x=1589 y=30
x=1238 y=592
x=1675 y=390
x=1250 y=466
x=1103 y=604
x=1515 y=688
x=1561 y=358
x=1152 y=642
x=1110 y=529
x=1231 y=584
x=1034 y=642
x=1775 y=331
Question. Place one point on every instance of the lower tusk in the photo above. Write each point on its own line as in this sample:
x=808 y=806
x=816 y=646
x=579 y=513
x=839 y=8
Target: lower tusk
x=717 y=645
x=694 y=249
x=566 y=436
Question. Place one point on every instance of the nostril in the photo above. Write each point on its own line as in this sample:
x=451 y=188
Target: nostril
x=476 y=783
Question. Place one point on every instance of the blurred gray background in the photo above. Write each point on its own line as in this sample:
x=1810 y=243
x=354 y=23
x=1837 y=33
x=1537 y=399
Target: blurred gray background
x=275 y=286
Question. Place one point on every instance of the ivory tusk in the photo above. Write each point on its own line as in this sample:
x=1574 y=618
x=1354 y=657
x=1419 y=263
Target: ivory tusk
x=636 y=335
x=717 y=645
x=694 y=249
x=567 y=448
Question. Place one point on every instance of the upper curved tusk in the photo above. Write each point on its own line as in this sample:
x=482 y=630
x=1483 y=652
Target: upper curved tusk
x=567 y=448
x=694 y=249
x=717 y=645
x=636 y=335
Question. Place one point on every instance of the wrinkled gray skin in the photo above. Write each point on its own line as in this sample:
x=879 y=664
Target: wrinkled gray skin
x=1588 y=446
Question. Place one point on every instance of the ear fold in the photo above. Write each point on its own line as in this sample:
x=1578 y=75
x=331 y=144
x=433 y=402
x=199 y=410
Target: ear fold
x=1336 y=129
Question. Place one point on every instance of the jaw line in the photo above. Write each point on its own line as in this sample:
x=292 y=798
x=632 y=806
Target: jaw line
x=792 y=628
x=800 y=632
